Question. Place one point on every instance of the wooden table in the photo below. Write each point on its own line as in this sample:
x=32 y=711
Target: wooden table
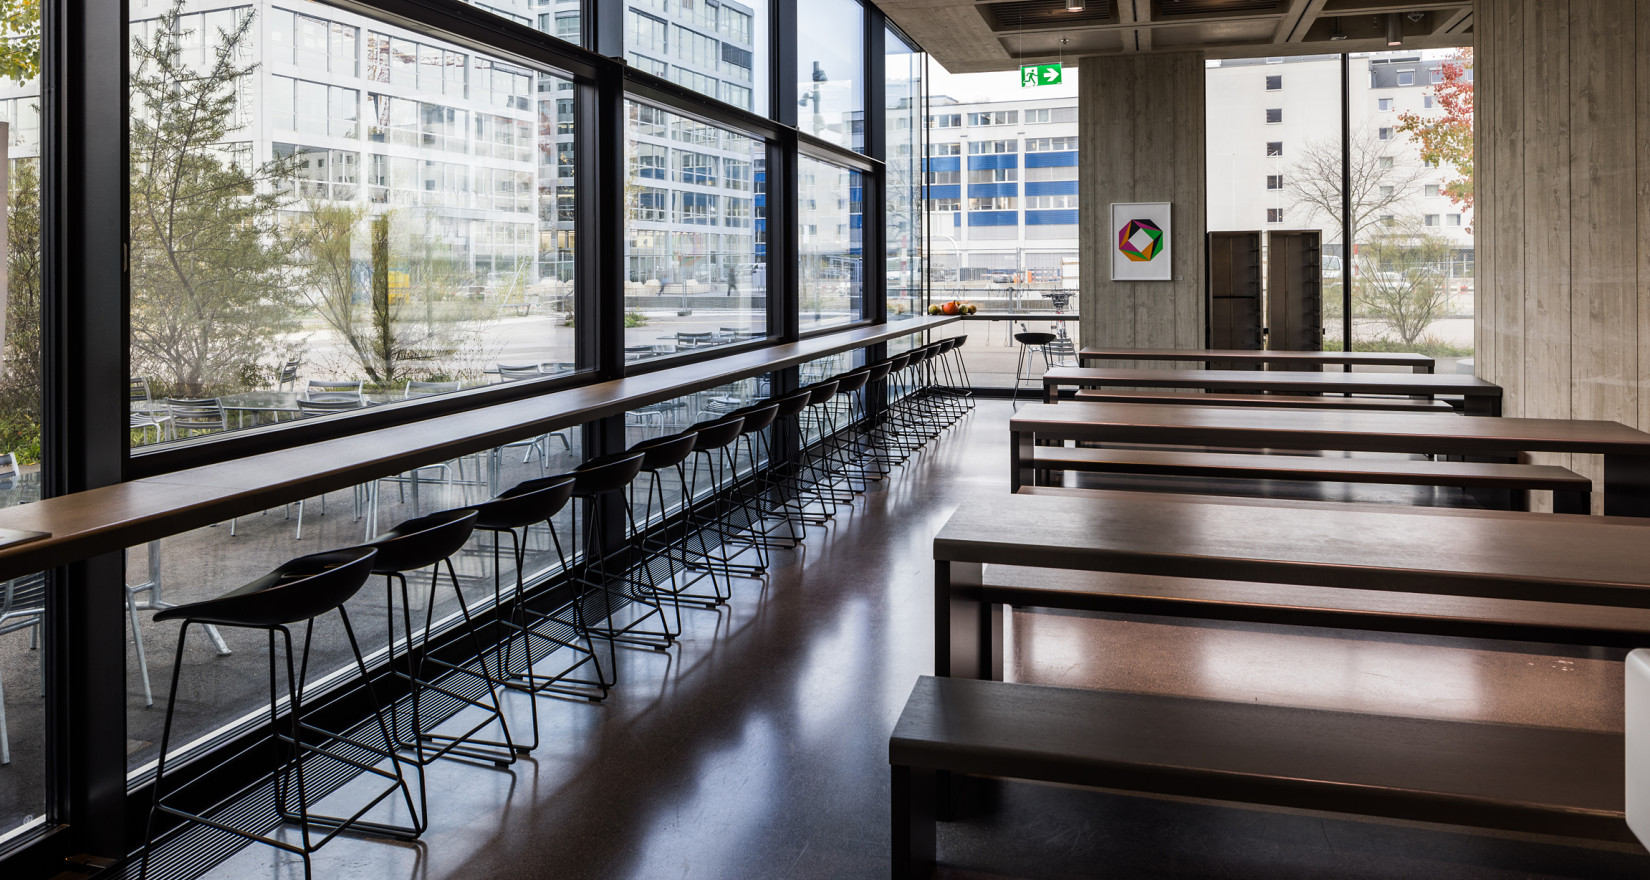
x=1482 y=398
x=1626 y=451
x=1418 y=363
x=1538 y=557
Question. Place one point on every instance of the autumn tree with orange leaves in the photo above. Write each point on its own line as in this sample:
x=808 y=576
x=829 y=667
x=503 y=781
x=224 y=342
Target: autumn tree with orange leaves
x=1447 y=138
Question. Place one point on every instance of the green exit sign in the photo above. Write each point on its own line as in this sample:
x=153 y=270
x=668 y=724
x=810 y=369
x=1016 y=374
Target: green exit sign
x=1039 y=75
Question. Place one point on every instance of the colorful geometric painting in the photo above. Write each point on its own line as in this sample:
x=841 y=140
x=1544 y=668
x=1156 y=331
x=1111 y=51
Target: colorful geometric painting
x=1145 y=242
x=1140 y=240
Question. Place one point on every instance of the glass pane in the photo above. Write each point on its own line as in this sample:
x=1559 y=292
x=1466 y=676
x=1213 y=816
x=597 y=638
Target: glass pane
x=356 y=216
x=22 y=603
x=903 y=181
x=715 y=48
x=224 y=680
x=1412 y=269
x=831 y=71
x=1283 y=175
x=695 y=271
x=829 y=215
x=1002 y=194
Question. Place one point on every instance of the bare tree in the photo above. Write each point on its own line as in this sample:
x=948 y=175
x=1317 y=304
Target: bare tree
x=1382 y=182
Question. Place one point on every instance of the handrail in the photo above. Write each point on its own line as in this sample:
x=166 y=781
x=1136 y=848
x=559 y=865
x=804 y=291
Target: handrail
x=126 y=514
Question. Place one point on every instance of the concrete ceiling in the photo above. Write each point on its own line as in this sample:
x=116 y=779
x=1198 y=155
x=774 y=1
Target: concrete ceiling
x=968 y=36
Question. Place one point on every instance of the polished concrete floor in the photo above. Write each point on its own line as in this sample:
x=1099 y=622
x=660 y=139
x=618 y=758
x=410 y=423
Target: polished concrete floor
x=758 y=747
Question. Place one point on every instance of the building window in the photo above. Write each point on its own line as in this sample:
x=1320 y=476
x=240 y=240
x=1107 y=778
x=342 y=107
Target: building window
x=1406 y=77
x=1044 y=203
x=1385 y=104
x=979 y=147
x=1432 y=220
x=993 y=175
x=1384 y=162
x=995 y=203
x=1274 y=83
x=945 y=120
x=1274 y=115
x=1428 y=102
x=998 y=117
x=1051 y=145
x=1437 y=75
x=1452 y=219
x=1274 y=181
x=1274 y=148
x=1386 y=192
x=951 y=149
x=1385 y=134
x=1431 y=190
x=945 y=204
x=1388 y=220
x=1274 y=215
x=944 y=178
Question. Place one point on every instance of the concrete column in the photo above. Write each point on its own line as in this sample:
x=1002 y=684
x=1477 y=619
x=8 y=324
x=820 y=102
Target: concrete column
x=1141 y=137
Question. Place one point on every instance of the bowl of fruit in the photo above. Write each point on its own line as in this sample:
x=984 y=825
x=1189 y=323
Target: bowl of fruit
x=954 y=307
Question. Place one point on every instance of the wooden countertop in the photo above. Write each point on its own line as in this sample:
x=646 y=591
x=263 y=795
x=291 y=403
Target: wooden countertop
x=112 y=518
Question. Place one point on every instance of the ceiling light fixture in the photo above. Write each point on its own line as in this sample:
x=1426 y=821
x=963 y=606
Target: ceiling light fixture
x=1074 y=5
x=1394 y=29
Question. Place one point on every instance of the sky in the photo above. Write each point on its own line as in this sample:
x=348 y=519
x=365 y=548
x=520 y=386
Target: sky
x=1000 y=86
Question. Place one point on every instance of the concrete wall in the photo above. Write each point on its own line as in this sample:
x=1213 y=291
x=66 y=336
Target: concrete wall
x=1563 y=208
x=1140 y=130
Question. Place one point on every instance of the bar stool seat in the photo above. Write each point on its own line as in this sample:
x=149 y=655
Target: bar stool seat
x=1029 y=339
x=596 y=483
x=297 y=592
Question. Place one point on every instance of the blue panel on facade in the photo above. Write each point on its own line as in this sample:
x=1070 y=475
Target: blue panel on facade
x=1051 y=160
x=942 y=163
x=995 y=160
x=994 y=218
x=948 y=191
x=1051 y=187
x=1052 y=218
x=993 y=190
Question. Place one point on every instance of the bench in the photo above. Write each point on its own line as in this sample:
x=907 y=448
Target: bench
x=1572 y=492
x=1382 y=404
x=1500 y=776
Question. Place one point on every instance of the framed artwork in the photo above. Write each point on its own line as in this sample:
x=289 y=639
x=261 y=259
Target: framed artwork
x=1140 y=241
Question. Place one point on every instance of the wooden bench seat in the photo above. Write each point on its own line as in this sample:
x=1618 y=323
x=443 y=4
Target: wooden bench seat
x=1384 y=404
x=1500 y=776
x=1572 y=493
x=1327 y=607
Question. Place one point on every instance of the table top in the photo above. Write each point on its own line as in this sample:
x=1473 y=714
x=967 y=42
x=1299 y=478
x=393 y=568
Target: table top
x=1326 y=429
x=1339 y=383
x=110 y=518
x=1534 y=556
x=1367 y=358
x=287 y=401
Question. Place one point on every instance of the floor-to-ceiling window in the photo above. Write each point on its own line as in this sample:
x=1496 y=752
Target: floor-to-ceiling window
x=830 y=71
x=23 y=760
x=903 y=216
x=830 y=215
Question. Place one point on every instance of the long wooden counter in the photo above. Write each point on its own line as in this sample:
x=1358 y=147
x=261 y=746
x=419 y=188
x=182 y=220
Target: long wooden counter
x=126 y=514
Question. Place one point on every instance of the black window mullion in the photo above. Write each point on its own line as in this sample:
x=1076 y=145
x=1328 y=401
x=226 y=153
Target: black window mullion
x=874 y=191
x=84 y=435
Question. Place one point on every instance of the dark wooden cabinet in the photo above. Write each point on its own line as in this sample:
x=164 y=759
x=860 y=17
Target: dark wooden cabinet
x=1234 y=295
x=1294 y=290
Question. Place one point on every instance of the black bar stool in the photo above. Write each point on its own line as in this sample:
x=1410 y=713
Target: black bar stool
x=777 y=484
x=522 y=507
x=1029 y=339
x=746 y=489
x=297 y=592
x=414 y=545
x=659 y=455
x=597 y=483
x=710 y=439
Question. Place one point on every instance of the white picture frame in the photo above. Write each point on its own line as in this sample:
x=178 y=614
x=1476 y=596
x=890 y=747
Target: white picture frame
x=1141 y=242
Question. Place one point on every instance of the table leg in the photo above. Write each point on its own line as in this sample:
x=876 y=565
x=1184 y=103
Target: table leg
x=912 y=802
x=158 y=603
x=968 y=633
x=1474 y=405
x=1022 y=460
x=1626 y=485
x=1051 y=392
